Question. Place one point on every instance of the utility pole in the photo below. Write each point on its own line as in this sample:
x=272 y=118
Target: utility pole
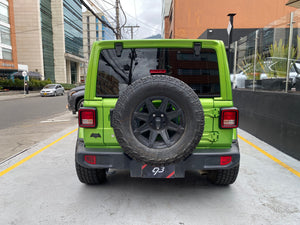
x=118 y=30
x=131 y=28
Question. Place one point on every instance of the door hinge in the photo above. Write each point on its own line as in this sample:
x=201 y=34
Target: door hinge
x=213 y=113
x=214 y=136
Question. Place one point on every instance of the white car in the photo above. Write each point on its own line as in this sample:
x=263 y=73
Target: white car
x=52 y=90
x=238 y=80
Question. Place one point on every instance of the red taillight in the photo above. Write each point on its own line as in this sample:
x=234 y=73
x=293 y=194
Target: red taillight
x=87 y=117
x=158 y=71
x=229 y=118
x=225 y=160
x=90 y=159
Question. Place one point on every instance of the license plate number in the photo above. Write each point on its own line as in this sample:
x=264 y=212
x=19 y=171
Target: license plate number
x=158 y=171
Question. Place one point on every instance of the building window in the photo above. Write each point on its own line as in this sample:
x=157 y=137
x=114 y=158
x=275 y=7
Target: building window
x=4 y=13
x=6 y=54
x=73 y=27
x=5 y=35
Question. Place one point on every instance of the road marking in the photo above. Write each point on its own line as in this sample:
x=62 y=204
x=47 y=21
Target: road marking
x=271 y=157
x=34 y=154
x=53 y=121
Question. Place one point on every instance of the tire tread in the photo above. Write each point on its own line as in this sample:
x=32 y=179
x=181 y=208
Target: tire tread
x=90 y=176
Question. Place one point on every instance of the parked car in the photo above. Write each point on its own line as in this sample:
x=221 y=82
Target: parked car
x=52 y=90
x=75 y=98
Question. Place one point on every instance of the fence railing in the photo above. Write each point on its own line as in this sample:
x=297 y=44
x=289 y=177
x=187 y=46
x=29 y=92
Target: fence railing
x=269 y=58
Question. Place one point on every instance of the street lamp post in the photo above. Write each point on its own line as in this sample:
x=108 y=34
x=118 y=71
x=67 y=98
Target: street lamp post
x=24 y=74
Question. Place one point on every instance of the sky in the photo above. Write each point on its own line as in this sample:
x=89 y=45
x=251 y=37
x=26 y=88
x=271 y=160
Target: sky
x=144 y=13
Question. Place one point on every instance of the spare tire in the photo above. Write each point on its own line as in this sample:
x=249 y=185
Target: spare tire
x=158 y=120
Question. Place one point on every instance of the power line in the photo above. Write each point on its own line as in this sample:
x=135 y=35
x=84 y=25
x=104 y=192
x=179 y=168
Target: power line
x=102 y=21
x=124 y=15
x=131 y=29
x=140 y=21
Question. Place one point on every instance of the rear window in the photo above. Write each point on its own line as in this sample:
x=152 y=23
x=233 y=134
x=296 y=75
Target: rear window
x=115 y=73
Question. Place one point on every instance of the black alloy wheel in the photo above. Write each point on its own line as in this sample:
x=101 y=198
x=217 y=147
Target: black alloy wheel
x=158 y=122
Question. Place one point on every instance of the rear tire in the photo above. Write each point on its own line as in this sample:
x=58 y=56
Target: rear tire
x=90 y=176
x=80 y=104
x=158 y=120
x=223 y=177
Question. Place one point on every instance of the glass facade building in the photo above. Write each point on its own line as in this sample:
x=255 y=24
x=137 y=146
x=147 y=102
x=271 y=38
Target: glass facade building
x=107 y=34
x=73 y=27
x=47 y=39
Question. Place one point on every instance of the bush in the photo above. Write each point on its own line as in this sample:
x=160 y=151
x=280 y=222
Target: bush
x=38 y=84
x=18 y=84
x=34 y=84
x=68 y=86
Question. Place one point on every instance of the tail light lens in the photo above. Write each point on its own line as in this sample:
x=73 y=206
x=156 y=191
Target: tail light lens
x=90 y=159
x=158 y=71
x=87 y=117
x=229 y=118
x=225 y=160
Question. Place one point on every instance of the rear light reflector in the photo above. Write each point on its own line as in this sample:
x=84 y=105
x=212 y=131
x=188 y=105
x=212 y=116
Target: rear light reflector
x=87 y=117
x=225 y=160
x=158 y=71
x=229 y=118
x=90 y=159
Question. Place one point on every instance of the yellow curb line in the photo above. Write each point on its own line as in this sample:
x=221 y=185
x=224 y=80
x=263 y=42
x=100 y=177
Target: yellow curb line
x=34 y=154
x=271 y=157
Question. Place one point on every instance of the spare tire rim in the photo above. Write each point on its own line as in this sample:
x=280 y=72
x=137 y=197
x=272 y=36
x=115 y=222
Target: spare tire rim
x=158 y=122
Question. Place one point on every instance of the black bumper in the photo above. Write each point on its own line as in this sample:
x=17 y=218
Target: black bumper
x=202 y=160
x=71 y=103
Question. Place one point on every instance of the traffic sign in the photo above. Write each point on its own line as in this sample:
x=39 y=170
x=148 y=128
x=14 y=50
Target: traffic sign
x=24 y=73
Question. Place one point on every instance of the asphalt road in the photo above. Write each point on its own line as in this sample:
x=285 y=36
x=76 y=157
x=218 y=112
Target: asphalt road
x=15 y=112
x=40 y=186
x=25 y=122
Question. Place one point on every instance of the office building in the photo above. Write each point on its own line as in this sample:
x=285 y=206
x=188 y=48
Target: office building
x=49 y=38
x=8 y=54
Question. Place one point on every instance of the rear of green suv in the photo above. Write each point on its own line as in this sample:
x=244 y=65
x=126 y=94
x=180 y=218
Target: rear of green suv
x=158 y=108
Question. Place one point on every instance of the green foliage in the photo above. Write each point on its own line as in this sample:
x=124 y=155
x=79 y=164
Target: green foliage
x=248 y=67
x=38 y=84
x=68 y=86
x=279 y=54
x=7 y=83
x=18 y=84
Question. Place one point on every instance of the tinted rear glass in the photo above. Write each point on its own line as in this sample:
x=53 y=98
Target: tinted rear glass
x=115 y=73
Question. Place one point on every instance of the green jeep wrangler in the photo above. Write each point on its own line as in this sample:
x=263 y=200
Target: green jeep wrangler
x=158 y=108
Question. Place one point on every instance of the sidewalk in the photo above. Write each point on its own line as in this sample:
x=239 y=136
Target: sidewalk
x=10 y=95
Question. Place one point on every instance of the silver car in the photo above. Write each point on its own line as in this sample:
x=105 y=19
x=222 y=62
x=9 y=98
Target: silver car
x=52 y=90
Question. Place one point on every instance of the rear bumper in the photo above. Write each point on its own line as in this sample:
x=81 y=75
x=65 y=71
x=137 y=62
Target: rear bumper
x=201 y=160
x=71 y=103
x=47 y=94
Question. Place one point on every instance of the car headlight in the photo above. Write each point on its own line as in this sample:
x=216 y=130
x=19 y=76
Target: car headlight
x=73 y=92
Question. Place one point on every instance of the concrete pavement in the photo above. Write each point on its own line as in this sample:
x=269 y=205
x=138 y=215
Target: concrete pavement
x=40 y=186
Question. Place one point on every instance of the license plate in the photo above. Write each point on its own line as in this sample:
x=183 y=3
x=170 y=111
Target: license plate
x=45 y=93
x=158 y=171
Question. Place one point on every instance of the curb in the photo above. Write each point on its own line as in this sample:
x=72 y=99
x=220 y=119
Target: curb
x=12 y=96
